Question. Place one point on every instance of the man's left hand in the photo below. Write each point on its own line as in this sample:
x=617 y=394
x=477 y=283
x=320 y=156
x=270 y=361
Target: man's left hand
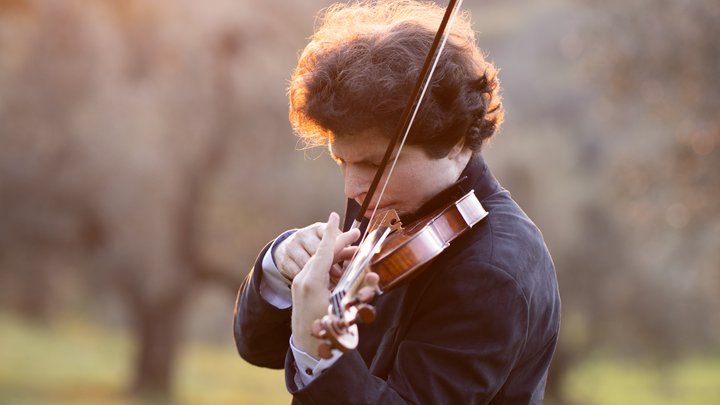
x=311 y=286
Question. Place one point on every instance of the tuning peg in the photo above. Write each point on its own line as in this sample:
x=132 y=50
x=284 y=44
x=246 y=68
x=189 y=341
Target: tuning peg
x=365 y=313
x=364 y=296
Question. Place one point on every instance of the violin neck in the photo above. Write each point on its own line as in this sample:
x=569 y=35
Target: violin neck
x=355 y=271
x=336 y=302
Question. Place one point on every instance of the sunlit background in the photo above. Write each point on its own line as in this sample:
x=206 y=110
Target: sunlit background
x=146 y=157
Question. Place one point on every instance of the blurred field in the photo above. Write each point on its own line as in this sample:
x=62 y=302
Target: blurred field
x=74 y=362
x=691 y=381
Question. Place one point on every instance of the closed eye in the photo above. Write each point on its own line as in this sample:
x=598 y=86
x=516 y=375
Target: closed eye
x=369 y=164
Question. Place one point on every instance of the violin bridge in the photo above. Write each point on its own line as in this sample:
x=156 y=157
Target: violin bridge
x=389 y=218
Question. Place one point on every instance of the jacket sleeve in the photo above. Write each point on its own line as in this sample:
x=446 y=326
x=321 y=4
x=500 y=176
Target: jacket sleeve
x=464 y=337
x=261 y=330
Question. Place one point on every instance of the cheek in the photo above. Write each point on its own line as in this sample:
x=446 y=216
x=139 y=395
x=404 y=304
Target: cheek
x=406 y=184
x=357 y=179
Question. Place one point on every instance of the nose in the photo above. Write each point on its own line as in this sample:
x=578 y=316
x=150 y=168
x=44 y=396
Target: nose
x=357 y=182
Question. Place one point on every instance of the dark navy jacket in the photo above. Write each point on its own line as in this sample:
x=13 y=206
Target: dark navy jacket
x=478 y=326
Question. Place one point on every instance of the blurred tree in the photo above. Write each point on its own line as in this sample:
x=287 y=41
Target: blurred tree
x=642 y=277
x=42 y=210
x=131 y=138
x=661 y=58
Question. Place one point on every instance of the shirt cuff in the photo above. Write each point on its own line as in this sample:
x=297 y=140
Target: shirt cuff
x=274 y=287
x=308 y=367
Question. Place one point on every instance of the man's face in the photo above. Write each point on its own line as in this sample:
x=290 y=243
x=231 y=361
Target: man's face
x=415 y=179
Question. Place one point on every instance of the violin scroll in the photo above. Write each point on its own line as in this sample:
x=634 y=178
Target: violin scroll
x=341 y=332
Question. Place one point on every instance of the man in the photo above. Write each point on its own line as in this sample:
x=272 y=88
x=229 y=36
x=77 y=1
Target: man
x=480 y=324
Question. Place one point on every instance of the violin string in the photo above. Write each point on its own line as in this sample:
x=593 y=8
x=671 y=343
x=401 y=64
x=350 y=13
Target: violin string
x=343 y=279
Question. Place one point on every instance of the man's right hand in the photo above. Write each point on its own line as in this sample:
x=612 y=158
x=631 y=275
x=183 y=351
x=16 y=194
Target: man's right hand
x=293 y=253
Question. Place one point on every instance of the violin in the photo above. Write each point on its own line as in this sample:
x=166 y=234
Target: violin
x=395 y=253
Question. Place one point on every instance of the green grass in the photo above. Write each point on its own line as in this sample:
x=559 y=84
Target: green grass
x=691 y=381
x=74 y=362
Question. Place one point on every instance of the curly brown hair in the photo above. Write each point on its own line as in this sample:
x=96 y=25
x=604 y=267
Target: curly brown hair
x=360 y=67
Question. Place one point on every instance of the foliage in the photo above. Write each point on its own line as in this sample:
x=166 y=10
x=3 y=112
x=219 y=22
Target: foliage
x=659 y=60
x=131 y=144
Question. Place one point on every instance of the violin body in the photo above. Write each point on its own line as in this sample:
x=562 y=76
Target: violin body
x=404 y=254
x=397 y=255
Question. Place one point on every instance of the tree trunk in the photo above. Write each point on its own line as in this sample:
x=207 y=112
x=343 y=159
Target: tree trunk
x=37 y=293
x=158 y=329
